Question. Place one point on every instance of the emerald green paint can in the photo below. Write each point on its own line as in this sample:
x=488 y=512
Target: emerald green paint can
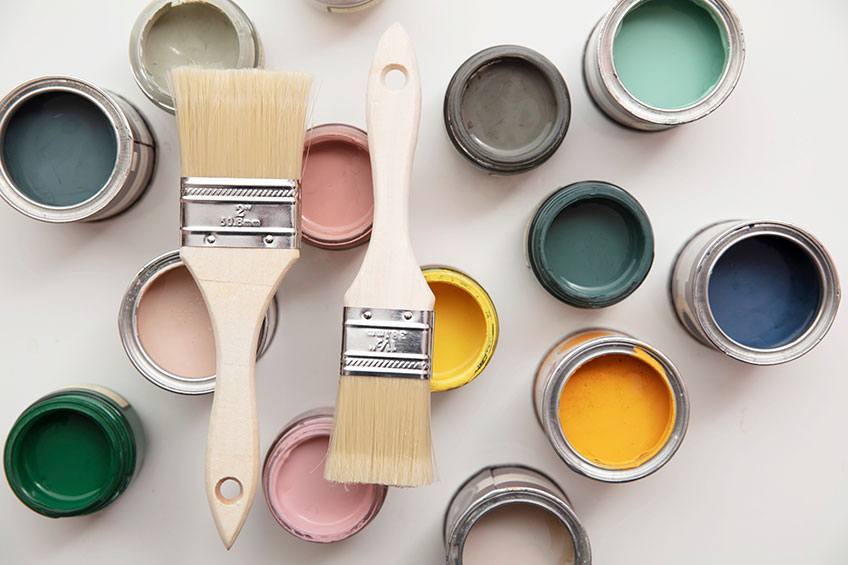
x=655 y=64
x=590 y=244
x=74 y=451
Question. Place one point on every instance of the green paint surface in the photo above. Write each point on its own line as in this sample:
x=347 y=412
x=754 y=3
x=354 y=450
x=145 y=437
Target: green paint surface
x=65 y=456
x=590 y=244
x=669 y=53
x=59 y=149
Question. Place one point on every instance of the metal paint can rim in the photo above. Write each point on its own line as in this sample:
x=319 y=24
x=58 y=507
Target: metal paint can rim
x=526 y=485
x=459 y=279
x=249 y=45
x=617 y=102
x=138 y=356
x=546 y=213
x=549 y=384
x=736 y=231
x=130 y=175
x=343 y=6
x=477 y=154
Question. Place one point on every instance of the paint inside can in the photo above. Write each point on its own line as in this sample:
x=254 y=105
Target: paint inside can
x=590 y=244
x=616 y=410
x=669 y=54
x=507 y=109
x=73 y=452
x=174 y=325
x=301 y=500
x=59 y=148
x=338 y=195
x=518 y=533
x=190 y=33
x=764 y=291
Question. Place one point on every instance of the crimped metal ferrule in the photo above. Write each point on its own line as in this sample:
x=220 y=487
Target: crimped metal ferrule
x=232 y=212
x=387 y=343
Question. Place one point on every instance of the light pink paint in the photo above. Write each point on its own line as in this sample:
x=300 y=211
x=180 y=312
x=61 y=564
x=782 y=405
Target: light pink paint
x=299 y=497
x=338 y=197
x=518 y=533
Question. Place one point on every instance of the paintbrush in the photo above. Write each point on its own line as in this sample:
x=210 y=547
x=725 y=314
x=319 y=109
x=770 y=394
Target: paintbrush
x=241 y=145
x=381 y=430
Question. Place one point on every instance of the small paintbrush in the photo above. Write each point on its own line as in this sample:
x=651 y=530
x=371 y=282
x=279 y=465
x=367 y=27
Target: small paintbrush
x=381 y=431
x=241 y=145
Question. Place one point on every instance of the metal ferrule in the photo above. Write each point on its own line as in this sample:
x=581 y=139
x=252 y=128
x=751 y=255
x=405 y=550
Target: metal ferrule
x=611 y=96
x=230 y=212
x=380 y=342
x=496 y=486
x=690 y=278
x=563 y=360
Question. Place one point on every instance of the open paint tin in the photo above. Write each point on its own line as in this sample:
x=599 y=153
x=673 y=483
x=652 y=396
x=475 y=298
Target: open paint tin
x=214 y=34
x=507 y=109
x=614 y=408
x=654 y=64
x=465 y=330
x=304 y=503
x=514 y=511
x=166 y=330
x=590 y=244
x=74 y=451
x=72 y=152
x=343 y=6
x=761 y=291
x=338 y=195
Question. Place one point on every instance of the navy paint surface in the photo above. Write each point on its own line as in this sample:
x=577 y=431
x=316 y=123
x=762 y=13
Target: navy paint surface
x=764 y=291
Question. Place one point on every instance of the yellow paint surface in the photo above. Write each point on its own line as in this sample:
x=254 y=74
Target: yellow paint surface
x=618 y=410
x=460 y=331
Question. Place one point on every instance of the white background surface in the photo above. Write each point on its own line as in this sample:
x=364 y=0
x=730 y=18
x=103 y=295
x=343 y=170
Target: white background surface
x=762 y=476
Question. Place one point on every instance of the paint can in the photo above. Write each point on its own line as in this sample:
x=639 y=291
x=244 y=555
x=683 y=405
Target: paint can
x=761 y=291
x=74 y=451
x=337 y=192
x=163 y=305
x=72 y=152
x=213 y=34
x=507 y=109
x=655 y=64
x=499 y=488
x=343 y=6
x=624 y=415
x=465 y=330
x=589 y=244
x=304 y=503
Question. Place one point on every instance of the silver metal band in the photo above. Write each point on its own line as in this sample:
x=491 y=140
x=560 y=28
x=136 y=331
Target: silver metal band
x=387 y=343
x=229 y=212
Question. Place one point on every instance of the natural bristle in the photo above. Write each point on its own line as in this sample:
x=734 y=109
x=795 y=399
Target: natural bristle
x=246 y=123
x=381 y=432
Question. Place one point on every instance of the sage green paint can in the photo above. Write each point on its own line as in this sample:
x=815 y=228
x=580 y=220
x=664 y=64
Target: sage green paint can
x=655 y=64
x=590 y=244
x=74 y=451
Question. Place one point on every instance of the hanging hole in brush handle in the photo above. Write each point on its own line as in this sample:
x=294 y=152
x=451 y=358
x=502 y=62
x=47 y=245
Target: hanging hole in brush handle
x=228 y=490
x=390 y=276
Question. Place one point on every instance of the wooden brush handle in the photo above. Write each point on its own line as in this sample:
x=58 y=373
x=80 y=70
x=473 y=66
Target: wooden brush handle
x=390 y=276
x=237 y=286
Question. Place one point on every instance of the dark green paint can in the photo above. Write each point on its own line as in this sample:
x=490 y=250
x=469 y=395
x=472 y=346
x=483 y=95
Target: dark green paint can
x=74 y=451
x=590 y=244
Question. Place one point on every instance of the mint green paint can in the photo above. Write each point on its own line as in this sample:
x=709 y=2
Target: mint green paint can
x=590 y=244
x=655 y=64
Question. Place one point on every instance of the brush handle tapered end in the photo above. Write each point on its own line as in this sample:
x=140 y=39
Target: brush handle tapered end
x=390 y=276
x=237 y=286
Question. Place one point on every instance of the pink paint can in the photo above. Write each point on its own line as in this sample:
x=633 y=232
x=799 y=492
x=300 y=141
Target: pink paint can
x=338 y=197
x=300 y=499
